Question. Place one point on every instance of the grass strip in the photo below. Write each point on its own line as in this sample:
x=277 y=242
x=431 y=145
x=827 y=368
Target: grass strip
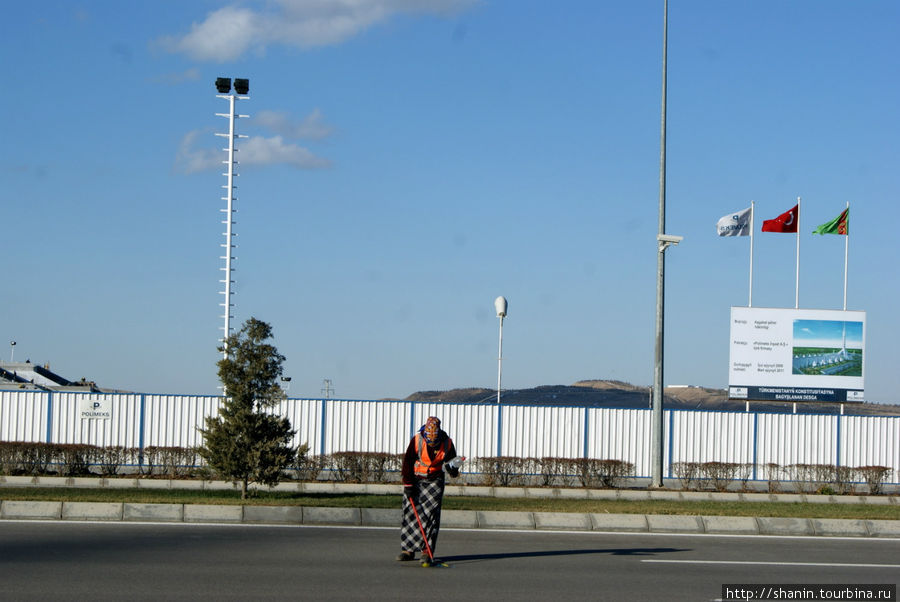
x=352 y=500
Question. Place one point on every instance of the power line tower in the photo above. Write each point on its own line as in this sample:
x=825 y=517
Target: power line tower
x=326 y=388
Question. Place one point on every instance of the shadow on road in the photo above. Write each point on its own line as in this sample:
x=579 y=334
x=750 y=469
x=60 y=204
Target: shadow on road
x=610 y=551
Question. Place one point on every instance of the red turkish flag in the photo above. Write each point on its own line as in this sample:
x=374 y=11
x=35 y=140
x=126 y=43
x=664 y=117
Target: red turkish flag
x=786 y=222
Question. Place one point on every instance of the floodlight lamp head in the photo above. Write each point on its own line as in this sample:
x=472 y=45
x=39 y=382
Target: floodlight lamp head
x=223 y=85
x=500 y=305
x=242 y=86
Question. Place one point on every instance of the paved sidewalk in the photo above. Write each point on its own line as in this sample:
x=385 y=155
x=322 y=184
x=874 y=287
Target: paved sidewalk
x=468 y=519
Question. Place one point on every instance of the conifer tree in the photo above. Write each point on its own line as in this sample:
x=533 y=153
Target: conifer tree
x=245 y=443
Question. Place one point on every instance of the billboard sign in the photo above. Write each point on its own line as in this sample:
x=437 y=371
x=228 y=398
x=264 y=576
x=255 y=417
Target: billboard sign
x=797 y=354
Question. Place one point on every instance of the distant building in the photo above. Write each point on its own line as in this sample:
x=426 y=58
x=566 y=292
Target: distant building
x=25 y=376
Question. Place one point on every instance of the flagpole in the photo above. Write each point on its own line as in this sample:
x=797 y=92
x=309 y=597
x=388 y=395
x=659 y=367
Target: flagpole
x=846 y=252
x=750 y=300
x=797 y=281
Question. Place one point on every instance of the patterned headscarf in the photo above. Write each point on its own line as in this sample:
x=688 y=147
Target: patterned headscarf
x=431 y=429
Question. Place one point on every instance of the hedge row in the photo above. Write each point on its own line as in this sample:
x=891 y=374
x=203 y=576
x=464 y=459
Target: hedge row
x=25 y=458
x=826 y=479
x=78 y=459
x=361 y=467
x=550 y=472
x=18 y=458
x=350 y=467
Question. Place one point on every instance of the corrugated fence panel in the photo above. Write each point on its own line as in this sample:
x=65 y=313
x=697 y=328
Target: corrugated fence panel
x=122 y=428
x=786 y=439
x=871 y=441
x=538 y=432
x=23 y=416
x=174 y=420
x=712 y=437
x=472 y=427
x=306 y=418
x=366 y=426
x=617 y=434
x=526 y=431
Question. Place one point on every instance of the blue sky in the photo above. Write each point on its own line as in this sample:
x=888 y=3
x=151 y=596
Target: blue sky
x=827 y=333
x=408 y=162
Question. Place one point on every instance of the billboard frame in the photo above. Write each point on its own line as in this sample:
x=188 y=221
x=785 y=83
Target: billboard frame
x=796 y=355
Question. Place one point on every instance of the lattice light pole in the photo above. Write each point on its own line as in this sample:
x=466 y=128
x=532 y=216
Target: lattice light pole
x=241 y=89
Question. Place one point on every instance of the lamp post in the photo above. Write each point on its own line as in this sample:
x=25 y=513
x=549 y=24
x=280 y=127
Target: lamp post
x=663 y=241
x=500 y=305
x=12 y=351
x=241 y=89
x=656 y=412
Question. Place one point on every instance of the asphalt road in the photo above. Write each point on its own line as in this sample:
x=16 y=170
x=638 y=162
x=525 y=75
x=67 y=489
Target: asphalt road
x=44 y=560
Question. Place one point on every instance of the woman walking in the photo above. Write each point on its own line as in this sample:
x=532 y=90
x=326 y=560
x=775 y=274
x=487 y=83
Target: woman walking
x=428 y=452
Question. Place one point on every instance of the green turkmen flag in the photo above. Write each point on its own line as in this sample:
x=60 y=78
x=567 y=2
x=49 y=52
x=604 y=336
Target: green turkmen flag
x=839 y=225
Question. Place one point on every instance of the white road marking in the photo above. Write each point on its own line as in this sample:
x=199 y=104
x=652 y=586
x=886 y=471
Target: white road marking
x=775 y=563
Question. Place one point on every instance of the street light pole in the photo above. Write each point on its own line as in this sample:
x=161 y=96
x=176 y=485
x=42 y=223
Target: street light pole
x=656 y=417
x=500 y=305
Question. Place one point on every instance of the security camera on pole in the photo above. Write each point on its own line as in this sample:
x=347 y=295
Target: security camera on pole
x=500 y=305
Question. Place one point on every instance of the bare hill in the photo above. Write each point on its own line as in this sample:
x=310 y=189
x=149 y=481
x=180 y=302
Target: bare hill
x=617 y=394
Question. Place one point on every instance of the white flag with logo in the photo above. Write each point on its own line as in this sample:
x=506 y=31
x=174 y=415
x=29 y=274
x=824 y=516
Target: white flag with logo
x=735 y=224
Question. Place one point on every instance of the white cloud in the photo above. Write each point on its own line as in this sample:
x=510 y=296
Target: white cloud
x=229 y=32
x=313 y=126
x=225 y=35
x=267 y=151
x=256 y=150
x=191 y=160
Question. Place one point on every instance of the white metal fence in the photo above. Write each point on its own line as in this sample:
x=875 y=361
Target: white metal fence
x=329 y=426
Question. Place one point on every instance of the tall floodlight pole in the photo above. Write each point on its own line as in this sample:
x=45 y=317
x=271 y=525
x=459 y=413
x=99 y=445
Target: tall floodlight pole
x=500 y=305
x=241 y=89
x=656 y=414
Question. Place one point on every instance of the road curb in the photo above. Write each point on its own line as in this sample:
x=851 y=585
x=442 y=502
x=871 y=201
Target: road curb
x=211 y=513
x=31 y=510
x=454 y=489
x=661 y=523
x=452 y=519
x=458 y=519
x=273 y=514
x=153 y=512
x=629 y=523
x=92 y=511
x=730 y=525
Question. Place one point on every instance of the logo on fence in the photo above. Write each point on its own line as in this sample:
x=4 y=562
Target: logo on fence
x=96 y=409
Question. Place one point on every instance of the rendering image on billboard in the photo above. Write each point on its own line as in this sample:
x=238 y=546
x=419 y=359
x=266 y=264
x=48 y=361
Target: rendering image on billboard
x=797 y=354
x=827 y=347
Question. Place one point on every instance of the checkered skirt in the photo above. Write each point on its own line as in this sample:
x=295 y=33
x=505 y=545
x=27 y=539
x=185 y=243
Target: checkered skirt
x=428 y=504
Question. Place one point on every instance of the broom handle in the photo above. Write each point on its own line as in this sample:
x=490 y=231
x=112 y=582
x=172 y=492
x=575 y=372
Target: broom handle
x=422 y=529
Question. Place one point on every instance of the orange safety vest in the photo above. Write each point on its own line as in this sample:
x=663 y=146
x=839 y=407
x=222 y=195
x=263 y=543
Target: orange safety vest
x=426 y=466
